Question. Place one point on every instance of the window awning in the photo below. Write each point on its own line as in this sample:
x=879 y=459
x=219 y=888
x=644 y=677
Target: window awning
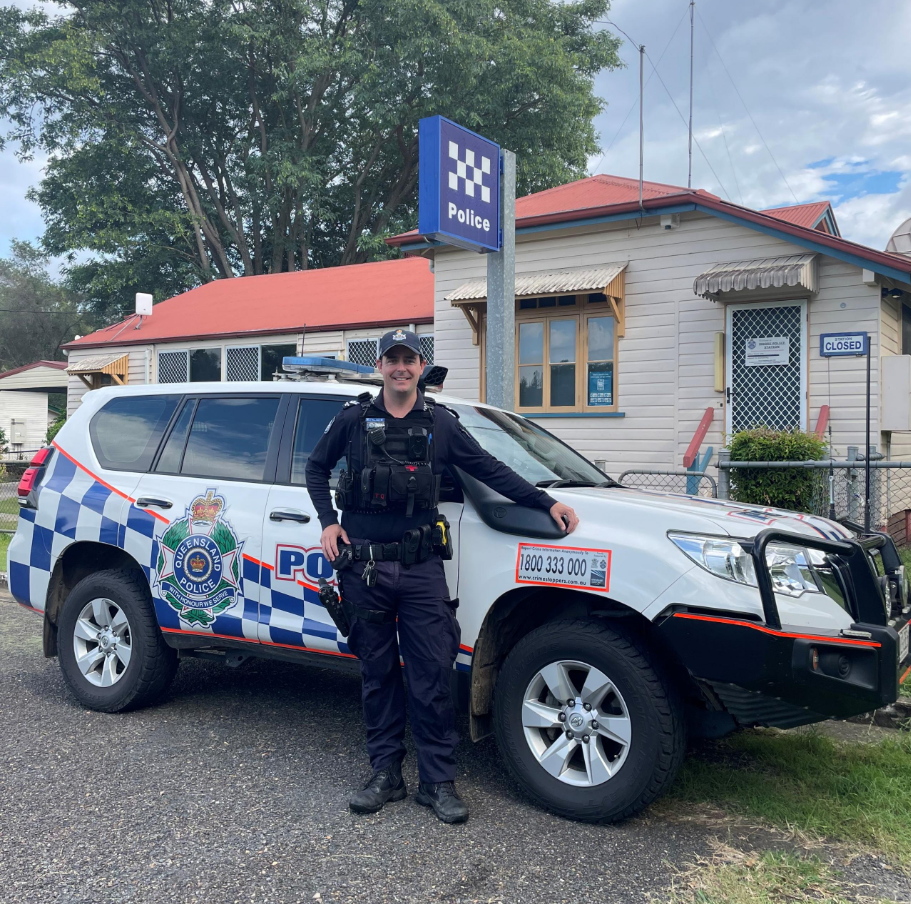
x=116 y=366
x=766 y=273
x=557 y=282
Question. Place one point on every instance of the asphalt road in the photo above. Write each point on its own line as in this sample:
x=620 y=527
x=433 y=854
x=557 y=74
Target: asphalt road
x=235 y=790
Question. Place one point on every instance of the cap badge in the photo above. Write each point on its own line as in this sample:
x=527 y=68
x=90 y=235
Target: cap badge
x=398 y=335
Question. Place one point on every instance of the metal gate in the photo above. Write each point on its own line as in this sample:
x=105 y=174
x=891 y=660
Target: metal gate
x=766 y=366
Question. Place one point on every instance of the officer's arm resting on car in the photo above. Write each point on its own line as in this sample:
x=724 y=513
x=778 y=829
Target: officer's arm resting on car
x=460 y=448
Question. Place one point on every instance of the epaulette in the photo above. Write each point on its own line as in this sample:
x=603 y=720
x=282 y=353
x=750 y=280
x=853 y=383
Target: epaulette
x=447 y=409
x=364 y=399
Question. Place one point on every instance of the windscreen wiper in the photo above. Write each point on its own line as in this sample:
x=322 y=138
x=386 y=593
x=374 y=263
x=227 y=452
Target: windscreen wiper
x=556 y=483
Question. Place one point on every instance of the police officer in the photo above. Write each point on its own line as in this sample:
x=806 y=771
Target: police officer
x=396 y=447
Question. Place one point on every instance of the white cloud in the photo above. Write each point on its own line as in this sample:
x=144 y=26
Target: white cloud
x=825 y=80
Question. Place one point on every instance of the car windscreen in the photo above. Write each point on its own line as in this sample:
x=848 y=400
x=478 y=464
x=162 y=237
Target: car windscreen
x=529 y=450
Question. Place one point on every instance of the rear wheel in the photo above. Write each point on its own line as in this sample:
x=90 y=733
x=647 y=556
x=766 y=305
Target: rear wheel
x=587 y=725
x=112 y=655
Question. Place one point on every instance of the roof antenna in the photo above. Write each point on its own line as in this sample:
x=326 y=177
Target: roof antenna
x=689 y=172
x=641 y=119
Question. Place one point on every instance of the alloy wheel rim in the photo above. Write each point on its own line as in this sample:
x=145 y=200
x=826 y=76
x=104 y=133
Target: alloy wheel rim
x=576 y=723
x=102 y=642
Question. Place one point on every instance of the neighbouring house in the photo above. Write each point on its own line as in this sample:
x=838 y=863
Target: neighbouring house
x=240 y=329
x=24 y=410
x=634 y=324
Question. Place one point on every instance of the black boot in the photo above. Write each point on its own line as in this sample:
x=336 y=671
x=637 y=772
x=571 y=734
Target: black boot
x=384 y=785
x=444 y=799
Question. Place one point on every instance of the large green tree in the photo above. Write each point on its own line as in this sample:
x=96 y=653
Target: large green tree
x=37 y=315
x=193 y=140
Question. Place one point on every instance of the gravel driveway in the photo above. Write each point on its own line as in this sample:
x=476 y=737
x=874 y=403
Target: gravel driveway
x=235 y=790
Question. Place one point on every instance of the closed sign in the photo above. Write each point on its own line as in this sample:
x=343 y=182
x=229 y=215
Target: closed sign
x=833 y=345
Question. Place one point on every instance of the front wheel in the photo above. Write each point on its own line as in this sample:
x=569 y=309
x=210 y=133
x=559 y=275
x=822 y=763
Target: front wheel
x=586 y=724
x=112 y=654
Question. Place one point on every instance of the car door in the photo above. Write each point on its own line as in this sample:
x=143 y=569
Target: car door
x=293 y=562
x=208 y=490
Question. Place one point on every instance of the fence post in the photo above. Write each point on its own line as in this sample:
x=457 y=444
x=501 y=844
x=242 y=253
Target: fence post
x=853 y=502
x=724 y=479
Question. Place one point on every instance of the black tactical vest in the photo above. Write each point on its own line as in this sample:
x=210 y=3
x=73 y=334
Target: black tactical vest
x=397 y=464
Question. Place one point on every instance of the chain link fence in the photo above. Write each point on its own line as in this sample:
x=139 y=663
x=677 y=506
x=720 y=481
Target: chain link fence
x=837 y=489
x=10 y=474
x=691 y=483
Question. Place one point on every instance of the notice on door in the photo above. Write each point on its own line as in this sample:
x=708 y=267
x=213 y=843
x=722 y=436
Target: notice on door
x=766 y=350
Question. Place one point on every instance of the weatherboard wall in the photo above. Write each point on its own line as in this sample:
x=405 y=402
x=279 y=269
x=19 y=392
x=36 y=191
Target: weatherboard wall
x=665 y=378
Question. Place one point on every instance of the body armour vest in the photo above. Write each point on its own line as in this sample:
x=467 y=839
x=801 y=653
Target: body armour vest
x=397 y=464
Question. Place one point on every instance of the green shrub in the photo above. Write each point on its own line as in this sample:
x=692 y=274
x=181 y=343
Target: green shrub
x=54 y=429
x=798 y=489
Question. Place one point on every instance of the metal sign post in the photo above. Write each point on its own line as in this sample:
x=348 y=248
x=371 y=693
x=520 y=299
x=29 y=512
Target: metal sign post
x=467 y=198
x=853 y=345
x=501 y=297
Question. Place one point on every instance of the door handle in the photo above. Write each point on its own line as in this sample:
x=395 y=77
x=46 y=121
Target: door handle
x=299 y=517
x=154 y=502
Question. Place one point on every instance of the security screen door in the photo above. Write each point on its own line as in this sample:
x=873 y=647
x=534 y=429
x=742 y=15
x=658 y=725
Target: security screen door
x=766 y=366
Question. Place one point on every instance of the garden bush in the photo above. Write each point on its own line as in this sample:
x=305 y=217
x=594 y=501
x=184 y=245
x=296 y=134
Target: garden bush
x=798 y=489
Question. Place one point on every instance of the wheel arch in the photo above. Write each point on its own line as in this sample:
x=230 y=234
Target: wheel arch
x=515 y=614
x=76 y=562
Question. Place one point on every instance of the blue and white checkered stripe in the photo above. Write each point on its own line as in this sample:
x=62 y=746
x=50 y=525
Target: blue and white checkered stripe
x=72 y=506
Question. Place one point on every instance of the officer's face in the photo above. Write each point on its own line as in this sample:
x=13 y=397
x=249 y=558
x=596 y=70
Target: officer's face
x=401 y=368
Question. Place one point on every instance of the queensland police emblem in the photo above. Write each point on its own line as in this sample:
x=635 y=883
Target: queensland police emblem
x=198 y=562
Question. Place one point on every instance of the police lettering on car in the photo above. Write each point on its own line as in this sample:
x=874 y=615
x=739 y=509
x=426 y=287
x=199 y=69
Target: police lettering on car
x=389 y=549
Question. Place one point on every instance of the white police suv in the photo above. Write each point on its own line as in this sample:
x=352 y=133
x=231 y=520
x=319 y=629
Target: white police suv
x=171 y=521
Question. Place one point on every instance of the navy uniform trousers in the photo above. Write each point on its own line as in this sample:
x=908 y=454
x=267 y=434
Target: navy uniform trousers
x=427 y=634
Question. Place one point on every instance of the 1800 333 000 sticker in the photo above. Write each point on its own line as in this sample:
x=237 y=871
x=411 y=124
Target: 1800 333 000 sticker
x=565 y=566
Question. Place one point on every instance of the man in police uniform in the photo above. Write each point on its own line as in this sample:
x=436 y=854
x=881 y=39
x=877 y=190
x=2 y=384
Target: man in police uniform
x=396 y=448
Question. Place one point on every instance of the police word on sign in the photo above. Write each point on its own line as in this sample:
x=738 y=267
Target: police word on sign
x=459 y=196
x=836 y=345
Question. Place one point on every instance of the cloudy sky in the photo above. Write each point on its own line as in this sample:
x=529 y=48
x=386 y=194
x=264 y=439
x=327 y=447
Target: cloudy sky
x=824 y=88
x=826 y=82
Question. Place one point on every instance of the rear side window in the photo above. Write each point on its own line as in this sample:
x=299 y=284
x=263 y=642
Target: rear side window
x=312 y=417
x=126 y=432
x=229 y=438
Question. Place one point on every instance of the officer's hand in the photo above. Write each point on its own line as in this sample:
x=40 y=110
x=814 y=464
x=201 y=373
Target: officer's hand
x=329 y=540
x=560 y=511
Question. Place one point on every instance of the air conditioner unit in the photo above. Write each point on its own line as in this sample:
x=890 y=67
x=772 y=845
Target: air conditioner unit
x=17 y=430
x=896 y=385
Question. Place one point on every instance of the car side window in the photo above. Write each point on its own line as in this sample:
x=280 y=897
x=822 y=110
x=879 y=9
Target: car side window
x=126 y=432
x=229 y=438
x=171 y=455
x=313 y=415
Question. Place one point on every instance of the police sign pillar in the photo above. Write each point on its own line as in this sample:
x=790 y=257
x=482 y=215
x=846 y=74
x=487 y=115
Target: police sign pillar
x=501 y=295
x=467 y=194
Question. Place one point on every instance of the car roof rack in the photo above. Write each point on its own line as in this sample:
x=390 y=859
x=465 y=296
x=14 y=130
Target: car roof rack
x=316 y=369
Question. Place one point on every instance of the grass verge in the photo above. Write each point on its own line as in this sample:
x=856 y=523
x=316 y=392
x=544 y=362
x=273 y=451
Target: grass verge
x=857 y=793
x=5 y=540
x=733 y=877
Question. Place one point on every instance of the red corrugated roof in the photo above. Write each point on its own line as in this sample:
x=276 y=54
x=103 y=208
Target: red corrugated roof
x=59 y=365
x=361 y=295
x=595 y=191
x=602 y=196
x=807 y=215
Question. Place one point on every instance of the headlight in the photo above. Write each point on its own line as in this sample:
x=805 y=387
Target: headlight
x=790 y=566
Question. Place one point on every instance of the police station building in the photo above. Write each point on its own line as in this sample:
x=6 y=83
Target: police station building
x=636 y=323
x=240 y=329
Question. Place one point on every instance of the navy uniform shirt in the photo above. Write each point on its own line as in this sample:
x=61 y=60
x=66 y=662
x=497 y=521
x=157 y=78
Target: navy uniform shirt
x=451 y=445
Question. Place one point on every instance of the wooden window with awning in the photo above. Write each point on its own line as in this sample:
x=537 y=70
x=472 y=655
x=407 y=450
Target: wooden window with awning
x=92 y=370
x=567 y=326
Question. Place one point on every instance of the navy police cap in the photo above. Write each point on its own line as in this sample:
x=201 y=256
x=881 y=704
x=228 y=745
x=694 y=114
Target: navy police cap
x=400 y=337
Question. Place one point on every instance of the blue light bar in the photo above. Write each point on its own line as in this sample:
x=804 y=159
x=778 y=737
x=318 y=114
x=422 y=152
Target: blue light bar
x=315 y=364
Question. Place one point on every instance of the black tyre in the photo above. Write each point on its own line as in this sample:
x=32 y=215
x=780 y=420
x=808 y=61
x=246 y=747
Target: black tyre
x=112 y=654
x=586 y=724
